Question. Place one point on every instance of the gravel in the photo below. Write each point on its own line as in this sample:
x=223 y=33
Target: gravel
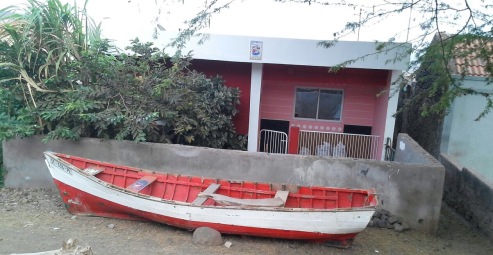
x=35 y=220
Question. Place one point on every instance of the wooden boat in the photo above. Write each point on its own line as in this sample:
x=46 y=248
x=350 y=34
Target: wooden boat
x=321 y=214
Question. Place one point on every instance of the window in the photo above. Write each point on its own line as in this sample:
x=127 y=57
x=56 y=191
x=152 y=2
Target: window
x=319 y=104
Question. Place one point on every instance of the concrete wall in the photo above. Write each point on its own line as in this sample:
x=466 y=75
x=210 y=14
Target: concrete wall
x=469 y=193
x=426 y=178
x=412 y=191
x=465 y=139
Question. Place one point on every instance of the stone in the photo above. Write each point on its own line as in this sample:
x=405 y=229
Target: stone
x=382 y=223
x=405 y=226
x=377 y=214
x=207 y=236
x=112 y=226
x=398 y=227
x=390 y=226
x=228 y=244
x=384 y=217
x=384 y=212
x=371 y=223
x=392 y=219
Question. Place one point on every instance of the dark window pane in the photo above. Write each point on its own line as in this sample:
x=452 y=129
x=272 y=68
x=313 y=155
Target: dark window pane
x=306 y=103
x=330 y=105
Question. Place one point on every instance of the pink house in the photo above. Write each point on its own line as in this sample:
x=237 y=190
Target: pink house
x=290 y=102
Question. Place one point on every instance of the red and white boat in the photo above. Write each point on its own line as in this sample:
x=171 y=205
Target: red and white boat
x=321 y=214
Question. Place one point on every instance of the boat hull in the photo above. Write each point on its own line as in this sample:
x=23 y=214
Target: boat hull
x=85 y=195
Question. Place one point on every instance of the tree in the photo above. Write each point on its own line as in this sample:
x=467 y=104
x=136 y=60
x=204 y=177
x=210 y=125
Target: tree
x=467 y=22
x=58 y=81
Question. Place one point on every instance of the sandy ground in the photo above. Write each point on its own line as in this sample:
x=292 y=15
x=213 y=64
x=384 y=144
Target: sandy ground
x=35 y=220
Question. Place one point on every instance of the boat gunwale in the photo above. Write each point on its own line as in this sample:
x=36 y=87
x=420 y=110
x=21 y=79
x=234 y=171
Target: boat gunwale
x=54 y=156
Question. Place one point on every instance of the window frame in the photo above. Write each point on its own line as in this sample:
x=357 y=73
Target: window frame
x=318 y=104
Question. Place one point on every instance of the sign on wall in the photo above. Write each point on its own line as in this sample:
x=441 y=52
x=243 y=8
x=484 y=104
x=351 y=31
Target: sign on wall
x=256 y=48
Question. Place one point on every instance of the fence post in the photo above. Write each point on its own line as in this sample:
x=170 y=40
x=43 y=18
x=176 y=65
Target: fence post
x=294 y=135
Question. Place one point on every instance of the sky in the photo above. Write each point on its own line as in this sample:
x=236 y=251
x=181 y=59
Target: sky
x=123 y=20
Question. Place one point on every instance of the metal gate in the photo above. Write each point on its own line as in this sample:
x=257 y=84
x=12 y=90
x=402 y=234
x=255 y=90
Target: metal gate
x=272 y=141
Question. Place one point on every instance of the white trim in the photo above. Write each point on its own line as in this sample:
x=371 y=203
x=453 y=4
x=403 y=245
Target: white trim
x=391 y=109
x=254 y=118
x=294 y=51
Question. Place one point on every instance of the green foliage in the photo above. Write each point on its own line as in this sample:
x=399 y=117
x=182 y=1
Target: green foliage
x=68 y=86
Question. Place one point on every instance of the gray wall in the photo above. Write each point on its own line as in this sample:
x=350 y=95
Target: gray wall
x=469 y=193
x=467 y=140
x=412 y=191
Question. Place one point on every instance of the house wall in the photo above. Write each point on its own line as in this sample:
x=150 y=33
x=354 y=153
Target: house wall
x=236 y=75
x=409 y=189
x=465 y=139
x=360 y=88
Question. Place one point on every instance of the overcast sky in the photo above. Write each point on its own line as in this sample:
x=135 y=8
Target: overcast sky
x=126 y=19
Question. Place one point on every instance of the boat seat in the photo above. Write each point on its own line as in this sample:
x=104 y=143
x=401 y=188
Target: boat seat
x=141 y=183
x=278 y=201
x=93 y=170
x=210 y=190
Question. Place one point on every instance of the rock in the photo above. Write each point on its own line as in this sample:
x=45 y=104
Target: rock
x=405 y=226
x=398 y=227
x=390 y=226
x=73 y=217
x=384 y=212
x=371 y=223
x=382 y=223
x=392 y=219
x=112 y=226
x=377 y=214
x=384 y=217
x=228 y=244
x=207 y=236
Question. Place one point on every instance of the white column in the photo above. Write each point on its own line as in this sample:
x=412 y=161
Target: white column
x=253 y=121
x=391 y=108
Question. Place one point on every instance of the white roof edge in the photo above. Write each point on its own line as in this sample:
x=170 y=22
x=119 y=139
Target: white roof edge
x=294 y=51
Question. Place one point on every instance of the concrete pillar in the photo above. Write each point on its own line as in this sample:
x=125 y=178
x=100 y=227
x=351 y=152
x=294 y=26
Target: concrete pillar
x=255 y=89
x=391 y=109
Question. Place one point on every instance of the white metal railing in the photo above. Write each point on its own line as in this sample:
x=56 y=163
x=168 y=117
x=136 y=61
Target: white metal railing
x=327 y=144
x=272 y=141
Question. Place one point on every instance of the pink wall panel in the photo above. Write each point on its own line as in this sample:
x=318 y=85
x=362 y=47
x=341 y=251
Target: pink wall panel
x=360 y=89
x=381 y=109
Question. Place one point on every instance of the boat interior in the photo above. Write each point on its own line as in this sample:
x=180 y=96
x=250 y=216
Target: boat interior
x=203 y=191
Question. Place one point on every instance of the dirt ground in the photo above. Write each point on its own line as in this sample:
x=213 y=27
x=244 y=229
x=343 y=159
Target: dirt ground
x=34 y=220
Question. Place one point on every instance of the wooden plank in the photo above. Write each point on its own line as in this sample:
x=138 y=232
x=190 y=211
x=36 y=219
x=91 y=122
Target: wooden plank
x=210 y=190
x=261 y=202
x=283 y=195
x=141 y=183
x=93 y=170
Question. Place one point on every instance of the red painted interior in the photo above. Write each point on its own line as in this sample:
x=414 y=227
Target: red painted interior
x=185 y=188
x=235 y=74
